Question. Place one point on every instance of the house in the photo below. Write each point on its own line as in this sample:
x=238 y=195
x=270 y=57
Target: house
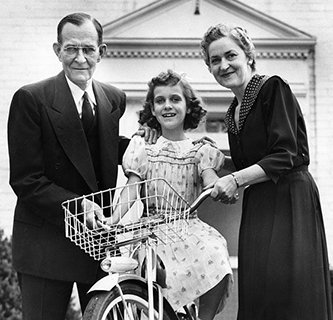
x=293 y=39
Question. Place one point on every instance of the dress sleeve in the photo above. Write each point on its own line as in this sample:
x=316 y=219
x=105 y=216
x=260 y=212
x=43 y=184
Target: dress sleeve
x=209 y=158
x=285 y=127
x=135 y=158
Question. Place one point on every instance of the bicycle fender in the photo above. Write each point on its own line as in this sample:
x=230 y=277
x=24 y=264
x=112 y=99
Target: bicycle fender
x=106 y=283
x=109 y=281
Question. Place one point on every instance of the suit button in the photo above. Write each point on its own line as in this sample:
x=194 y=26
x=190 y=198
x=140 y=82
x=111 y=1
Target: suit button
x=57 y=166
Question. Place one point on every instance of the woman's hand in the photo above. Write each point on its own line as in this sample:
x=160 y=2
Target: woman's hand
x=206 y=140
x=224 y=190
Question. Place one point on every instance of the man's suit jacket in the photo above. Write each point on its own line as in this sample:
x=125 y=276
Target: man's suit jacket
x=50 y=163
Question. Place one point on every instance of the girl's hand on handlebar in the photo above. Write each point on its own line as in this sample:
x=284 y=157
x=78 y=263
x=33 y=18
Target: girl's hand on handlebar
x=93 y=214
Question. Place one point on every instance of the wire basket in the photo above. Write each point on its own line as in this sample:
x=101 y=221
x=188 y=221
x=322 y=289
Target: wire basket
x=152 y=209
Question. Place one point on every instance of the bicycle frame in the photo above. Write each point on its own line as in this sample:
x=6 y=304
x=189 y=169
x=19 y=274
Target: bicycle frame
x=158 y=215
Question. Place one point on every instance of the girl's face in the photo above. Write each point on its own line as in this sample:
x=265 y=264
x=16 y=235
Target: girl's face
x=229 y=64
x=170 y=110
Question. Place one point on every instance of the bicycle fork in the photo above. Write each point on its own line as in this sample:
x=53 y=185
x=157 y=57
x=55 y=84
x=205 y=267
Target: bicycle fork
x=151 y=279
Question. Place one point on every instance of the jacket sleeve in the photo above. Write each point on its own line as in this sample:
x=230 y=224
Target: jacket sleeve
x=36 y=193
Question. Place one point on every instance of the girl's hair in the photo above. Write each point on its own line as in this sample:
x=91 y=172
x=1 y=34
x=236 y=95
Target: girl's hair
x=238 y=34
x=193 y=101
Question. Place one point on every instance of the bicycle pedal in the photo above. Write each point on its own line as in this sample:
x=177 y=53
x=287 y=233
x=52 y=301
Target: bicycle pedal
x=189 y=312
x=182 y=316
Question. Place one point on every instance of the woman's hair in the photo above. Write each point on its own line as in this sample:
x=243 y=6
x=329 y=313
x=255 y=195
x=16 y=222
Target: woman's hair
x=193 y=101
x=238 y=34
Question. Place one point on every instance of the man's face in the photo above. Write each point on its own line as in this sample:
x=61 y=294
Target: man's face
x=79 y=52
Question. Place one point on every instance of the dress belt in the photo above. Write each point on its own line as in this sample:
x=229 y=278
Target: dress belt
x=303 y=167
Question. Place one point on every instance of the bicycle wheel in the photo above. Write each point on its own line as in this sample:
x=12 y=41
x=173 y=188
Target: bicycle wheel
x=109 y=305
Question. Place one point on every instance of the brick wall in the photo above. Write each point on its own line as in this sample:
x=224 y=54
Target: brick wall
x=28 y=29
x=27 y=32
x=315 y=17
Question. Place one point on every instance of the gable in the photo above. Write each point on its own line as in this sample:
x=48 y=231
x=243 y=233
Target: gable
x=166 y=20
x=166 y=34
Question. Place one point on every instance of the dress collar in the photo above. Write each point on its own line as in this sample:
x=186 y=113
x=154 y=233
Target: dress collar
x=177 y=147
x=250 y=95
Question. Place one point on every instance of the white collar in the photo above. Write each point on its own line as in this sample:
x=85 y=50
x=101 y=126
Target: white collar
x=77 y=92
x=184 y=143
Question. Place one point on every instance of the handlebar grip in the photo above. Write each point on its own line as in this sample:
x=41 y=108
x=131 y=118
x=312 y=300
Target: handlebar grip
x=197 y=202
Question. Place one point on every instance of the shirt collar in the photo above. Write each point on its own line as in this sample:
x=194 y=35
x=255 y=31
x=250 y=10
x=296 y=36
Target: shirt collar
x=77 y=92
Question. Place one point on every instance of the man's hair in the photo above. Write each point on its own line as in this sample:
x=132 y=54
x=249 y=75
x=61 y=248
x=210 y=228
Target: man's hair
x=78 y=19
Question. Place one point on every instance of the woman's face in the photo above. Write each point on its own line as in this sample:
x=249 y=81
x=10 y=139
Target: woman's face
x=170 y=108
x=229 y=64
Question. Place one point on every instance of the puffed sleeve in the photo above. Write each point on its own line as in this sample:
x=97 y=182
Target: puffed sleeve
x=209 y=158
x=135 y=158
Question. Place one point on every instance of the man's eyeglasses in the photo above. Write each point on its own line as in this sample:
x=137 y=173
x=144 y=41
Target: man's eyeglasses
x=74 y=50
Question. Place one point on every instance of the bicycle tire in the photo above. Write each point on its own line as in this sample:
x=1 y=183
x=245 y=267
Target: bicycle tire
x=109 y=305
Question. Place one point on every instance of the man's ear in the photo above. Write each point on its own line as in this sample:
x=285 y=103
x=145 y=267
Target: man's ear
x=102 y=51
x=56 y=49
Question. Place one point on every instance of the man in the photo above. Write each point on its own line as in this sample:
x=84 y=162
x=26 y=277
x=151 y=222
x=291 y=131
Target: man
x=55 y=156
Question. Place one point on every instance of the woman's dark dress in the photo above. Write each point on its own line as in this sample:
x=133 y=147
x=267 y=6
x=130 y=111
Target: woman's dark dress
x=283 y=263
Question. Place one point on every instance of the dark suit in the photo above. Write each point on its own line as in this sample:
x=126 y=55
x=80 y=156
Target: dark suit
x=50 y=162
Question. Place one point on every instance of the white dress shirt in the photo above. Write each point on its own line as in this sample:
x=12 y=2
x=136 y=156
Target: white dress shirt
x=77 y=94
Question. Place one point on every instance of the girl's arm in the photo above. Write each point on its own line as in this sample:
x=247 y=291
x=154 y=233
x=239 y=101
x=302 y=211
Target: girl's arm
x=209 y=177
x=126 y=199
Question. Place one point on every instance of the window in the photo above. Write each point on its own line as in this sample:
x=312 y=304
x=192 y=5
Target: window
x=214 y=123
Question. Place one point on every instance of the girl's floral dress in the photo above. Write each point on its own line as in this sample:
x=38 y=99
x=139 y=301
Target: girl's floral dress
x=201 y=261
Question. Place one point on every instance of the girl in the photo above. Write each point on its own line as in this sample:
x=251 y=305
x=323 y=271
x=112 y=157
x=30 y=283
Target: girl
x=199 y=266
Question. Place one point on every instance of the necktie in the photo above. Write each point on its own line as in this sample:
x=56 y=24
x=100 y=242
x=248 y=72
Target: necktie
x=87 y=117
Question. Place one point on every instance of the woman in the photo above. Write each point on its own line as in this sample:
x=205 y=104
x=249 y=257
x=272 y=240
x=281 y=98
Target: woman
x=283 y=264
x=198 y=267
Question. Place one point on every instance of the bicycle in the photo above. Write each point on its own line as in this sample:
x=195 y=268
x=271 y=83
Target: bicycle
x=155 y=217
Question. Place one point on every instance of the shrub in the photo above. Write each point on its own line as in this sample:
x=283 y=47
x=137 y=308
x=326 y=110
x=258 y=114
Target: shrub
x=10 y=296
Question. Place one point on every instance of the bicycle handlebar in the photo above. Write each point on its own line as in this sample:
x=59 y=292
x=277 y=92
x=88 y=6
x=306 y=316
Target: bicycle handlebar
x=197 y=202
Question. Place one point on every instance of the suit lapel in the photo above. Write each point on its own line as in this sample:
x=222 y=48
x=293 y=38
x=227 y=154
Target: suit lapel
x=108 y=131
x=67 y=125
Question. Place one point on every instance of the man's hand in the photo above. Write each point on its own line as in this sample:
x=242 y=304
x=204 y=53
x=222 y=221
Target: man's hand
x=150 y=135
x=93 y=214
